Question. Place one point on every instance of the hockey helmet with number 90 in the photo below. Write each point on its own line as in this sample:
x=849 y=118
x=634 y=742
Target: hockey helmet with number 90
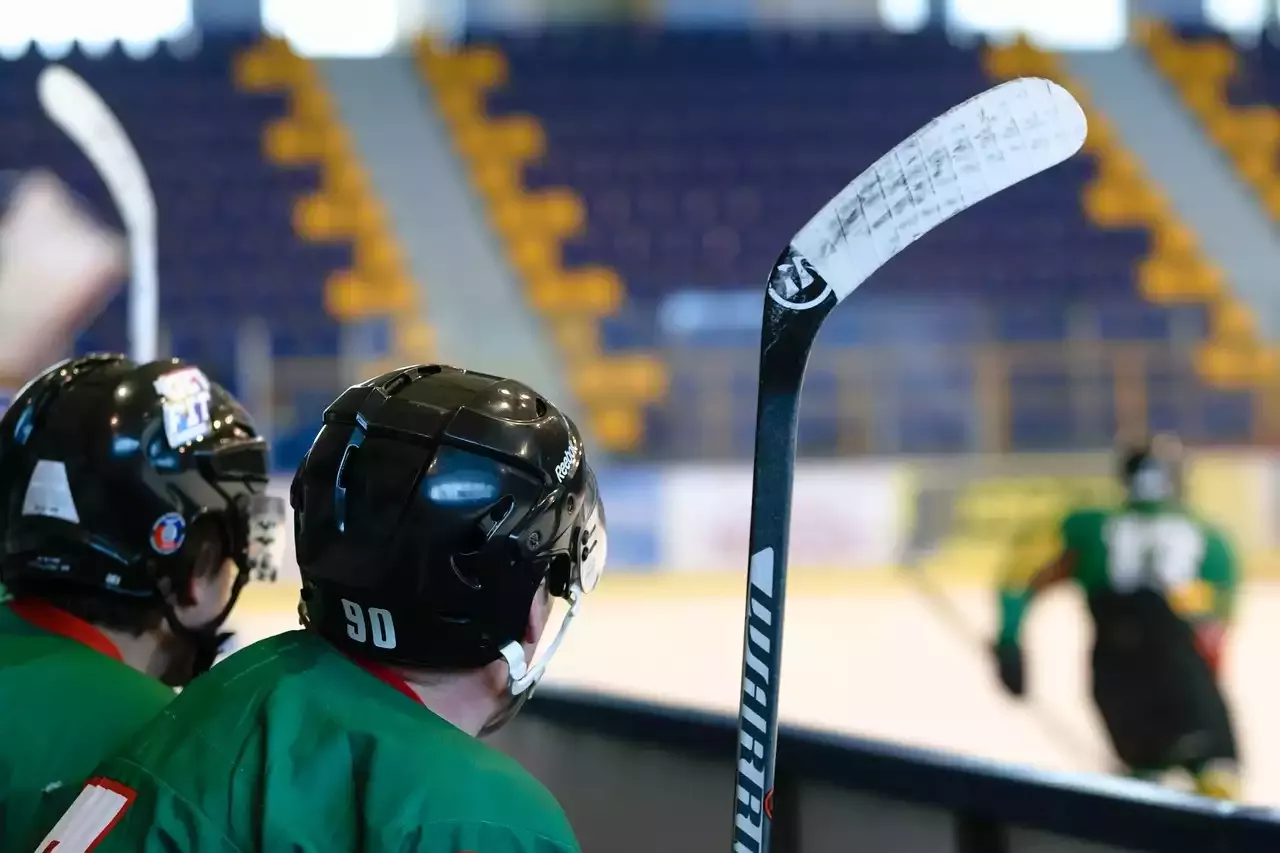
x=432 y=506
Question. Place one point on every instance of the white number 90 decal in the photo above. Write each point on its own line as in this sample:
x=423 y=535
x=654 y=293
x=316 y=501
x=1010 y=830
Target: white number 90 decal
x=377 y=625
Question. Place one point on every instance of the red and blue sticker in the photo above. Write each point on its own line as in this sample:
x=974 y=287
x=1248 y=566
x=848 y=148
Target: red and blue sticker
x=168 y=532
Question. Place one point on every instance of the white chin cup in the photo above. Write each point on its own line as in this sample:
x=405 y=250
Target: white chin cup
x=521 y=675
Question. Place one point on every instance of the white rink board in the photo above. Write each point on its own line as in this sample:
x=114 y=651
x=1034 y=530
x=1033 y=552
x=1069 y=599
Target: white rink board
x=875 y=660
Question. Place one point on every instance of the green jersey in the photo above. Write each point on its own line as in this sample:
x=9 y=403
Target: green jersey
x=69 y=702
x=1127 y=548
x=1168 y=550
x=290 y=745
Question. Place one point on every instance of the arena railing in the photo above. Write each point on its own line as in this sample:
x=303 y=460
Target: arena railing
x=636 y=776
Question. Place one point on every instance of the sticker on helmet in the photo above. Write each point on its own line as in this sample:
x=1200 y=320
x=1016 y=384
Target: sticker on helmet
x=569 y=464
x=49 y=492
x=168 y=533
x=185 y=398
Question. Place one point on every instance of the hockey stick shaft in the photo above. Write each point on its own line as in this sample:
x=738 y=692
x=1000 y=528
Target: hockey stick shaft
x=782 y=365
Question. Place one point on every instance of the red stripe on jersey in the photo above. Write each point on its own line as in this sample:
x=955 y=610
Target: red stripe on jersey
x=60 y=622
x=387 y=676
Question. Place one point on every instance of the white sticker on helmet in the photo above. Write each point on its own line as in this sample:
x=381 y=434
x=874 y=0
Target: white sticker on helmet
x=267 y=540
x=185 y=397
x=569 y=462
x=596 y=544
x=49 y=493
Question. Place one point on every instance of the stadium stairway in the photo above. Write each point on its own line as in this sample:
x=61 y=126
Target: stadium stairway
x=1201 y=72
x=615 y=388
x=376 y=290
x=1176 y=270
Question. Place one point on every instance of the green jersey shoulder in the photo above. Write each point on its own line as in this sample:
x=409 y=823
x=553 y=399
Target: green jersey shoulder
x=290 y=745
x=73 y=706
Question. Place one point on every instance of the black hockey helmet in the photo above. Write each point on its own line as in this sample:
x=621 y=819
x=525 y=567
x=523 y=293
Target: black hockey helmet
x=106 y=464
x=1151 y=470
x=431 y=507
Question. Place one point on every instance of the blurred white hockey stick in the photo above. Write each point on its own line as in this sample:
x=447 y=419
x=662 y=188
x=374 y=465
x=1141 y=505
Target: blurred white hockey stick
x=75 y=107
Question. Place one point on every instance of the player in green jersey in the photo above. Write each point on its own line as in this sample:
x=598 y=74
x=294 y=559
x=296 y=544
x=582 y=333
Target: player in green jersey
x=438 y=514
x=125 y=492
x=1160 y=585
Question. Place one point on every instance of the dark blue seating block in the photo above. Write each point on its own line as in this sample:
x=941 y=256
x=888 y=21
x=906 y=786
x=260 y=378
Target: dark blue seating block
x=227 y=249
x=699 y=153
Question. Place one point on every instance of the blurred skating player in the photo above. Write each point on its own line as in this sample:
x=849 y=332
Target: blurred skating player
x=1160 y=585
x=438 y=513
x=127 y=493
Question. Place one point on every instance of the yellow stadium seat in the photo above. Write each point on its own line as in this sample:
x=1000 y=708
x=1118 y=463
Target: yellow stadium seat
x=483 y=67
x=496 y=177
x=342 y=297
x=311 y=106
x=1233 y=322
x=415 y=339
x=578 y=336
x=317 y=219
x=377 y=256
x=518 y=137
x=458 y=104
x=1175 y=238
x=535 y=254
x=1202 y=95
x=620 y=428
x=561 y=211
x=1256 y=166
x=597 y=286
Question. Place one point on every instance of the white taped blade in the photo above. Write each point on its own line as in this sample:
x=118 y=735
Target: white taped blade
x=80 y=112
x=969 y=153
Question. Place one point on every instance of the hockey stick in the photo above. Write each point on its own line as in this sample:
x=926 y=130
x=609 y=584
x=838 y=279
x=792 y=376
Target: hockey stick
x=983 y=146
x=80 y=112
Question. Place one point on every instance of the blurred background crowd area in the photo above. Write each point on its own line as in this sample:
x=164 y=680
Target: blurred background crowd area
x=588 y=194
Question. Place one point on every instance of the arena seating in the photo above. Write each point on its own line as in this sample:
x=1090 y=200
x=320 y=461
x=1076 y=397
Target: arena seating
x=227 y=245
x=697 y=154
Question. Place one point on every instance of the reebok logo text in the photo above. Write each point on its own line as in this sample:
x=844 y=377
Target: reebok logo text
x=569 y=463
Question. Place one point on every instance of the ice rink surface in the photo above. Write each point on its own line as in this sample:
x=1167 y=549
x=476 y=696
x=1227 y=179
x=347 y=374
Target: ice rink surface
x=876 y=658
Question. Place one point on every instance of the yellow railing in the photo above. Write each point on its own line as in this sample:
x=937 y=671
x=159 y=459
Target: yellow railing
x=344 y=209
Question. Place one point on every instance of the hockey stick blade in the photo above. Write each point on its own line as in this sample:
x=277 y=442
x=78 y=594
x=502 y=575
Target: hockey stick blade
x=973 y=151
x=85 y=118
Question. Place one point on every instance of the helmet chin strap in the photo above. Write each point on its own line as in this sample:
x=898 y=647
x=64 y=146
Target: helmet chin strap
x=522 y=677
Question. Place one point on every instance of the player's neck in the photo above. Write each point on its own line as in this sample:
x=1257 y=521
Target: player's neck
x=142 y=652
x=466 y=701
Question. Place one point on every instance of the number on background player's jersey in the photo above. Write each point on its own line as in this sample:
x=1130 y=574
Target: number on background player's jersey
x=1162 y=552
x=99 y=807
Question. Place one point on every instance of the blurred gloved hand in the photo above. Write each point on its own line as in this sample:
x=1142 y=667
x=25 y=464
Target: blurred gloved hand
x=1010 y=667
x=1210 y=637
